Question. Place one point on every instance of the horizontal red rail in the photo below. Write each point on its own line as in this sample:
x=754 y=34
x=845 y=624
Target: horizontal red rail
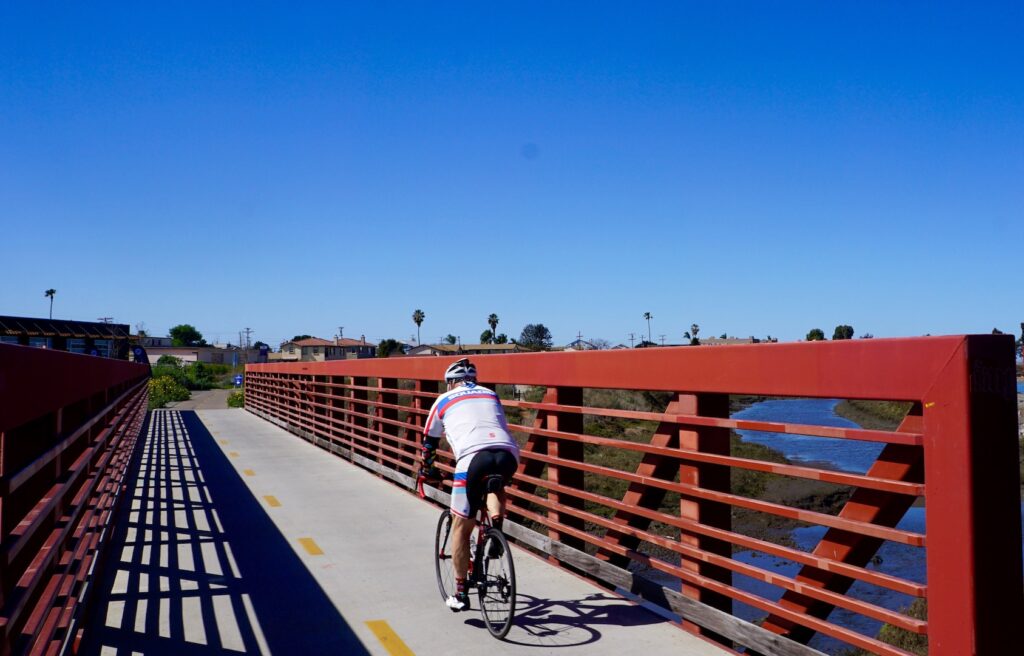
x=68 y=428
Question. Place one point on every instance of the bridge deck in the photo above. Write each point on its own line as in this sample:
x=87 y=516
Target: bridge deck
x=237 y=536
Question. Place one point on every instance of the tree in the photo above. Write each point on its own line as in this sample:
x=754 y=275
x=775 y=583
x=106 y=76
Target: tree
x=417 y=318
x=301 y=337
x=648 y=316
x=723 y=336
x=996 y=331
x=486 y=337
x=843 y=332
x=492 y=321
x=694 y=331
x=645 y=344
x=50 y=293
x=387 y=347
x=816 y=335
x=186 y=335
x=601 y=344
x=501 y=339
x=536 y=336
x=450 y=339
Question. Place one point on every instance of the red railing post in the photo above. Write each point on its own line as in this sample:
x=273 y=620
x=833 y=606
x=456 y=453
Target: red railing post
x=357 y=404
x=705 y=439
x=973 y=505
x=387 y=413
x=566 y=475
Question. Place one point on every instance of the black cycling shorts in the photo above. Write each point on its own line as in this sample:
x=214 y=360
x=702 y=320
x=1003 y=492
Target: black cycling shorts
x=483 y=464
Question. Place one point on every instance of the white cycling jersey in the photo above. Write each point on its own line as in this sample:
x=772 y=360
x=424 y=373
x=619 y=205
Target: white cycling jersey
x=472 y=418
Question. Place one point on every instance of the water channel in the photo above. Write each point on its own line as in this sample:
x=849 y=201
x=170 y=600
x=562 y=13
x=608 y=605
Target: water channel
x=846 y=455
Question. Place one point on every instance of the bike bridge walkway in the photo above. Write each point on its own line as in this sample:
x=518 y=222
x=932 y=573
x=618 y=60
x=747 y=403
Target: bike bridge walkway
x=236 y=536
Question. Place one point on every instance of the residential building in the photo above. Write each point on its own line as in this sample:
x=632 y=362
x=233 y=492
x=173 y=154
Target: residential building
x=232 y=355
x=314 y=349
x=728 y=341
x=465 y=349
x=109 y=340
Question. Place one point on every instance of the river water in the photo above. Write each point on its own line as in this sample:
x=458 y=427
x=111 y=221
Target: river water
x=847 y=455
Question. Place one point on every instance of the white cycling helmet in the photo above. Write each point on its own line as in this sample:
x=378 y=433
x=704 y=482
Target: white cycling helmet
x=461 y=370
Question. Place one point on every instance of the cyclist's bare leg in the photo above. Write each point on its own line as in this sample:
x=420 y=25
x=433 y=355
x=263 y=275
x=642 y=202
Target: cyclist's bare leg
x=462 y=527
x=496 y=507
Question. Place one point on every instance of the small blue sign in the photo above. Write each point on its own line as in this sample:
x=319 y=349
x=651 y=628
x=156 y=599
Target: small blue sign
x=238 y=380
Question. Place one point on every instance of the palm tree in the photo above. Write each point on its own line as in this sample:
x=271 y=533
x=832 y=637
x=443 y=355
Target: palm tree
x=492 y=321
x=50 y=293
x=648 y=316
x=417 y=317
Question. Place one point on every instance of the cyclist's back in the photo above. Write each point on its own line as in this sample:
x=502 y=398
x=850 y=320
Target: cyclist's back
x=472 y=418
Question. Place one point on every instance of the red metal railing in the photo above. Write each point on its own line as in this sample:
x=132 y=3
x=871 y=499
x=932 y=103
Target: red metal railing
x=658 y=492
x=68 y=425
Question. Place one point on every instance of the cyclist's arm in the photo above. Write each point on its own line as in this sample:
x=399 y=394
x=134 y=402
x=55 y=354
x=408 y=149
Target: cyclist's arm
x=432 y=433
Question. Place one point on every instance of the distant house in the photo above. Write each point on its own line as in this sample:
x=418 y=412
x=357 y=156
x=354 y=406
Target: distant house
x=728 y=341
x=580 y=345
x=231 y=355
x=315 y=349
x=465 y=349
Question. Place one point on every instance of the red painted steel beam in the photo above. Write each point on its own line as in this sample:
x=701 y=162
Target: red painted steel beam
x=35 y=382
x=975 y=601
x=887 y=369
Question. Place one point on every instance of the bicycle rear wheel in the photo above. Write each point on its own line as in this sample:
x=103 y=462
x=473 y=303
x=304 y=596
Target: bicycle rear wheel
x=497 y=584
x=443 y=556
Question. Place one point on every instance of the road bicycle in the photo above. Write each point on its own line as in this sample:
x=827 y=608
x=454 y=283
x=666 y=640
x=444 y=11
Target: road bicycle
x=491 y=570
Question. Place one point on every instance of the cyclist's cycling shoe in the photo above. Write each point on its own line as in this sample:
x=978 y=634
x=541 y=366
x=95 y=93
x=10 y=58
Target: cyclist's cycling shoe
x=458 y=602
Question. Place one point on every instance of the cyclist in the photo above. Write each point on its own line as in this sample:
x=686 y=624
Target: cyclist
x=472 y=419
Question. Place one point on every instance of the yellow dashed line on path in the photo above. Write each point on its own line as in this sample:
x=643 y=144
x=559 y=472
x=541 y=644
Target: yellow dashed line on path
x=389 y=638
x=311 y=547
x=224 y=442
x=233 y=454
x=248 y=472
x=272 y=502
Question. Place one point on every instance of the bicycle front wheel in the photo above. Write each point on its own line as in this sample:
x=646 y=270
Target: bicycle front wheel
x=497 y=584
x=443 y=565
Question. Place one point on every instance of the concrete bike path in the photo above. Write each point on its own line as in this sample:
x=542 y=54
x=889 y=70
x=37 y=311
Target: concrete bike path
x=269 y=544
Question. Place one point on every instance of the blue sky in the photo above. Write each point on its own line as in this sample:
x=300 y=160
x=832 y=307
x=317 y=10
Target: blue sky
x=756 y=168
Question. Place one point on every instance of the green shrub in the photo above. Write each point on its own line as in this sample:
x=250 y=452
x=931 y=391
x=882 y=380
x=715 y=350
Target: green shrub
x=198 y=376
x=236 y=399
x=164 y=390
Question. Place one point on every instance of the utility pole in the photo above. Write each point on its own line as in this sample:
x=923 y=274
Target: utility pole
x=662 y=339
x=631 y=339
x=341 y=331
x=248 y=331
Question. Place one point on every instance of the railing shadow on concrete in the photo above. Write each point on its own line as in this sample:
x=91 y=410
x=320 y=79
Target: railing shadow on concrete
x=553 y=623
x=663 y=496
x=198 y=566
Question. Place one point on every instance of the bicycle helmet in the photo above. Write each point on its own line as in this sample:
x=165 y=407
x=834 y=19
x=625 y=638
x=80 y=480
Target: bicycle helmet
x=461 y=370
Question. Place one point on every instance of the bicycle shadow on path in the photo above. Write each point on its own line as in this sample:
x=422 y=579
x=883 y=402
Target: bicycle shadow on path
x=196 y=566
x=551 y=623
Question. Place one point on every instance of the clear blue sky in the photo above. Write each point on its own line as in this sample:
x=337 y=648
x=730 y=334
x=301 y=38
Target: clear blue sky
x=757 y=168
